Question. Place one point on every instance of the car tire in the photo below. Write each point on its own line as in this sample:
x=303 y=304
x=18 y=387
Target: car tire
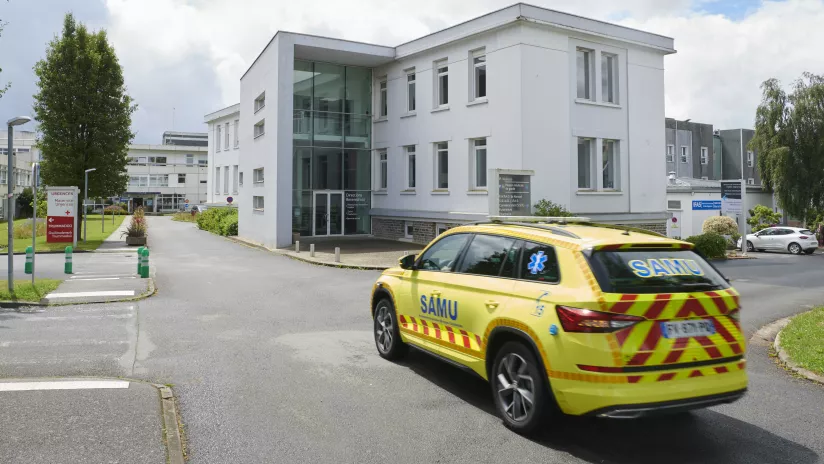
x=516 y=376
x=794 y=248
x=387 y=334
x=761 y=250
x=809 y=252
x=750 y=248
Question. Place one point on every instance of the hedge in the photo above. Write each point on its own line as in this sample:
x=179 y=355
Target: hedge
x=221 y=221
x=721 y=225
x=711 y=245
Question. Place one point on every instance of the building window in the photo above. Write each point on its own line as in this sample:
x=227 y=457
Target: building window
x=237 y=129
x=584 y=73
x=225 y=180
x=217 y=137
x=440 y=228
x=408 y=229
x=217 y=180
x=161 y=180
x=410 y=167
x=240 y=178
x=478 y=75
x=442 y=166
x=260 y=128
x=181 y=178
x=705 y=178
x=585 y=164
x=203 y=181
x=441 y=83
x=383 y=170
x=673 y=204
x=257 y=203
x=750 y=181
x=226 y=136
x=260 y=102
x=234 y=178
x=683 y=154
x=257 y=176
x=203 y=161
x=478 y=164
x=750 y=158
x=410 y=91
x=611 y=165
x=383 y=99
x=705 y=155
x=670 y=153
x=609 y=77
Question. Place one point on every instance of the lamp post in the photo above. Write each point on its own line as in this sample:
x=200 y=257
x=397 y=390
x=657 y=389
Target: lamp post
x=85 y=200
x=35 y=167
x=10 y=200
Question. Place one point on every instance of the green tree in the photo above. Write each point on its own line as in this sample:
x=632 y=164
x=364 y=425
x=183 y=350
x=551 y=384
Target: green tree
x=42 y=205
x=789 y=138
x=24 y=202
x=762 y=216
x=83 y=111
x=547 y=208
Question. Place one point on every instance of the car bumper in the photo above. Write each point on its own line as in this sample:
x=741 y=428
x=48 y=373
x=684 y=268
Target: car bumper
x=659 y=391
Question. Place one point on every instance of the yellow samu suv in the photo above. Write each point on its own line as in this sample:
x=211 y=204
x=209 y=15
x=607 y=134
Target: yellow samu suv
x=576 y=317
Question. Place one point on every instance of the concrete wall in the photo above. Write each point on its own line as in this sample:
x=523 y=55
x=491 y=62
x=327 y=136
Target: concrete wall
x=694 y=136
x=220 y=157
x=693 y=220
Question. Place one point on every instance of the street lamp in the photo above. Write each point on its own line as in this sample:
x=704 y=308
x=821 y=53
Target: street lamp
x=35 y=168
x=85 y=200
x=10 y=200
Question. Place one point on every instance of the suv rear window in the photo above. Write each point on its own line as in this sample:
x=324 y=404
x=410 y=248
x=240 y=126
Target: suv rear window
x=654 y=271
x=805 y=232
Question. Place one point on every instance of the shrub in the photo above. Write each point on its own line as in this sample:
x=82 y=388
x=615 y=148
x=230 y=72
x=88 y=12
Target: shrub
x=711 y=245
x=184 y=217
x=762 y=217
x=721 y=225
x=23 y=230
x=114 y=209
x=136 y=228
x=213 y=218
x=547 y=208
x=228 y=225
x=139 y=212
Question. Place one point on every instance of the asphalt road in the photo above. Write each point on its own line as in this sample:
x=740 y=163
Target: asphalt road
x=273 y=360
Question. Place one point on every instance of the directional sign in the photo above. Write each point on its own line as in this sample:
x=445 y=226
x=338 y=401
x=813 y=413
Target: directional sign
x=706 y=205
x=731 y=196
x=62 y=204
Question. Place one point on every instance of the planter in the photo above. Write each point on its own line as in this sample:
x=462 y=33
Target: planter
x=136 y=241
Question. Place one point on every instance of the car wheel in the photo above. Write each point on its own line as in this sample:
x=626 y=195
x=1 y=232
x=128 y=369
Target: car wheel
x=520 y=390
x=761 y=250
x=809 y=252
x=794 y=248
x=750 y=247
x=387 y=335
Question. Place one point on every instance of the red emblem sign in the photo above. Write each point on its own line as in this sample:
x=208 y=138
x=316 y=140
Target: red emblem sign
x=60 y=229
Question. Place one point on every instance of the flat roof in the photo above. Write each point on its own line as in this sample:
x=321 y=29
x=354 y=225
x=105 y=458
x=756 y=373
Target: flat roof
x=221 y=113
x=149 y=147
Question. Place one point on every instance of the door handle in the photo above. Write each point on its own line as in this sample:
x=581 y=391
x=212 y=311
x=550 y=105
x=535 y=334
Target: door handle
x=491 y=304
x=436 y=293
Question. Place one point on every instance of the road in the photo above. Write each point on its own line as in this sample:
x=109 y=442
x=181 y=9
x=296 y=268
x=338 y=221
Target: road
x=273 y=360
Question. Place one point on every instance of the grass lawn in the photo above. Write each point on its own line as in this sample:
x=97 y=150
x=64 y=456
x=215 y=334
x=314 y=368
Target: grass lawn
x=184 y=217
x=96 y=237
x=24 y=291
x=803 y=339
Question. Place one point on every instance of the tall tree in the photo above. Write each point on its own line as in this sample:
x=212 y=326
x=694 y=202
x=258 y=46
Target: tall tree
x=83 y=111
x=3 y=88
x=789 y=137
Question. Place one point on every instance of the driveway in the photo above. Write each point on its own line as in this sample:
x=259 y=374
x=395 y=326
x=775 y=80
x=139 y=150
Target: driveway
x=273 y=360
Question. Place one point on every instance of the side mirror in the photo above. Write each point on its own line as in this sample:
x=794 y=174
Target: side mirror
x=407 y=262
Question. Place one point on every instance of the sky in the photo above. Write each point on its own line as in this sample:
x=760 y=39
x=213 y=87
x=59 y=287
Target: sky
x=183 y=59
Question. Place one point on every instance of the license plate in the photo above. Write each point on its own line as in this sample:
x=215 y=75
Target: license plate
x=686 y=329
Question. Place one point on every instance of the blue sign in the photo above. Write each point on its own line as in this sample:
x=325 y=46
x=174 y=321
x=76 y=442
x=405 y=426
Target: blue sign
x=706 y=205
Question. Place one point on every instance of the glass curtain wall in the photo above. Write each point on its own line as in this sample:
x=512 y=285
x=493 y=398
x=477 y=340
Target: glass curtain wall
x=332 y=128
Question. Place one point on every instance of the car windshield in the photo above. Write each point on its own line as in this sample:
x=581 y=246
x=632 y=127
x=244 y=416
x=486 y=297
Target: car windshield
x=654 y=271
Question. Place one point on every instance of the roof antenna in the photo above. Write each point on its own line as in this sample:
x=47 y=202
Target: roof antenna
x=625 y=232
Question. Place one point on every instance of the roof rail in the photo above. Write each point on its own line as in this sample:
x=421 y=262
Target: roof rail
x=541 y=219
x=626 y=229
x=555 y=230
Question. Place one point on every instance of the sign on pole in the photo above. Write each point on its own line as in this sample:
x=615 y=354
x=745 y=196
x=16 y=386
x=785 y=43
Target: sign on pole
x=61 y=214
x=510 y=192
x=731 y=197
x=706 y=205
x=674 y=225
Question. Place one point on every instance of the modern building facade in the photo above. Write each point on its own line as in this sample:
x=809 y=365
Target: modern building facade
x=25 y=154
x=689 y=150
x=346 y=138
x=188 y=139
x=164 y=178
x=225 y=178
x=739 y=162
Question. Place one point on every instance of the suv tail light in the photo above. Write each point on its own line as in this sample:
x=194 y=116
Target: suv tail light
x=803 y=237
x=588 y=321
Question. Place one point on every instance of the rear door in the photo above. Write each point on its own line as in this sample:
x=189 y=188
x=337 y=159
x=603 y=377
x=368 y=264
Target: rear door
x=685 y=313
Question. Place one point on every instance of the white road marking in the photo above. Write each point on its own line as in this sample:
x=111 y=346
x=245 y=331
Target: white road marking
x=92 y=276
x=83 y=279
x=72 y=318
x=87 y=294
x=64 y=385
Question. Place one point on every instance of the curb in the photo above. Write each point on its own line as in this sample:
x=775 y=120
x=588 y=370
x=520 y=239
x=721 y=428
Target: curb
x=150 y=291
x=358 y=267
x=785 y=358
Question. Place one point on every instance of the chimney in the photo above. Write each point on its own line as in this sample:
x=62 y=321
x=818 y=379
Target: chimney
x=671 y=177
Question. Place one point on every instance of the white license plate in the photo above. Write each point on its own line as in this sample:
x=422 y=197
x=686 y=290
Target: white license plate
x=685 y=329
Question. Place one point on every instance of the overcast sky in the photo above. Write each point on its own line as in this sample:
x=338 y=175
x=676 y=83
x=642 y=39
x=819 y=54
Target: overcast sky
x=183 y=58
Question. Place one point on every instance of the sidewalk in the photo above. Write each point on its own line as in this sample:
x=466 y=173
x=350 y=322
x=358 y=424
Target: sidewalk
x=80 y=421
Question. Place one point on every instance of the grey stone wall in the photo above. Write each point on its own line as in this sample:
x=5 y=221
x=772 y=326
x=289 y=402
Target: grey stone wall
x=391 y=229
x=423 y=232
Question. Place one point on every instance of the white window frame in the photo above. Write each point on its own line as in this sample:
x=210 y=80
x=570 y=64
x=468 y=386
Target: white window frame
x=750 y=158
x=383 y=98
x=674 y=205
x=441 y=148
x=670 y=153
x=705 y=155
x=217 y=180
x=411 y=91
x=258 y=176
x=750 y=181
x=226 y=136
x=439 y=226
x=593 y=185
x=476 y=147
x=615 y=167
x=441 y=70
x=258 y=205
x=684 y=157
x=235 y=179
x=260 y=128
x=406 y=226
x=190 y=159
x=606 y=81
x=382 y=173
x=589 y=76
x=240 y=178
x=237 y=129
x=411 y=165
x=225 y=180
x=260 y=102
x=218 y=132
x=477 y=61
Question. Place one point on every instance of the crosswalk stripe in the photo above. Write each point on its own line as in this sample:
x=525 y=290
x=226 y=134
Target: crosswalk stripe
x=63 y=385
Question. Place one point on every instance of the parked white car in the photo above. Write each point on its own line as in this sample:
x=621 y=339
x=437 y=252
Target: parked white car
x=792 y=239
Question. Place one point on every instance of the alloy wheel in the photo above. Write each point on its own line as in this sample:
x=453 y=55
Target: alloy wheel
x=516 y=388
x=383 y=329
x=749 y=246
x=795 y=248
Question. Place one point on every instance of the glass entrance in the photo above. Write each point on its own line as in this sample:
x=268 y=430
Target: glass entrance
x=328 y=213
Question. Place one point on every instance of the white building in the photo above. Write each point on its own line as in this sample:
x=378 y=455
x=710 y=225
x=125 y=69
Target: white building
x=225 y=177
x=349 y=138
x=25 y=154
x=164 y=178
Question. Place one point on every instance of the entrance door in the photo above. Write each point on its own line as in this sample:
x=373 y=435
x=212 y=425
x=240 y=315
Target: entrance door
x=328 y=213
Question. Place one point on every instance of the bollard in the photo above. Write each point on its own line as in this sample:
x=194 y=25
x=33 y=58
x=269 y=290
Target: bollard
x=144 y=272
x=68 y=267
x=337 y=254
x=29 y=259
x=312 y=250
x=297 y=246
x=139 y=259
